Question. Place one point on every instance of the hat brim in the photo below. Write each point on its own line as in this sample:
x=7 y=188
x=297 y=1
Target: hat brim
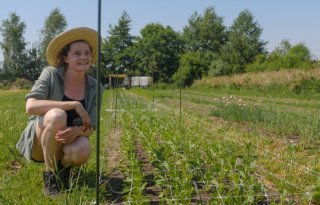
x=60 y=41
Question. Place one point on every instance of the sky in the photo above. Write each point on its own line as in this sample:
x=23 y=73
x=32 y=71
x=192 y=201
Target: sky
x=295 y=20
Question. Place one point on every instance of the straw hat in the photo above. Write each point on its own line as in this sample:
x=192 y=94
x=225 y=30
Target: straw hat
x=60 y=41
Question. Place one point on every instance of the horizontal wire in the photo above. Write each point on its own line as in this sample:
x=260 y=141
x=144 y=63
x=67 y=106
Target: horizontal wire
x=209 y=198
x=234 y=196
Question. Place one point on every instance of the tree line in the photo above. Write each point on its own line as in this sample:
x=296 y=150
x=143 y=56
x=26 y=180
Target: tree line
x=205 y=47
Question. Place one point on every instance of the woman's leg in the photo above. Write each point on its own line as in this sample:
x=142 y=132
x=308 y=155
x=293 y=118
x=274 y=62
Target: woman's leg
x=45 y=147
x=76 y=153
x=57 y=157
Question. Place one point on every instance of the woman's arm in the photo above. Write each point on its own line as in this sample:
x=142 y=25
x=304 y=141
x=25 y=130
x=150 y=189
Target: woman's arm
x=87 y=133
x=40 y=107
x=69 y=134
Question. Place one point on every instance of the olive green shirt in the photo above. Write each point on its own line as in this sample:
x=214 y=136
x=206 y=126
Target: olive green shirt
x=50 y=86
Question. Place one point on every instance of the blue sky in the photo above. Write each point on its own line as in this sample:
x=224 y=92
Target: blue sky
x=295 y=20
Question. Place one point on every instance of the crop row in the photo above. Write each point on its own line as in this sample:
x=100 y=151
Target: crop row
x=191 y=164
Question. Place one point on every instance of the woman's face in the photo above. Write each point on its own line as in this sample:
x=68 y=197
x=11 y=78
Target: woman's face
x=79 y=56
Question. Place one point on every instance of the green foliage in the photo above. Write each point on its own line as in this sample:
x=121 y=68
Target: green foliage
x=159 y=50
x=310 y=85
x=16 y=172
x=13 y=46
x=244 y=42
x=218 y=67
x=21 y=83
x=20 y=62
x=205 y=33
x=285 y=56
x=33 y=64
x=294 y=123
x=204 y=47
x=183 y=155
x=192 y=67
x=54 y=24
x=116 y=50
x=316 y=193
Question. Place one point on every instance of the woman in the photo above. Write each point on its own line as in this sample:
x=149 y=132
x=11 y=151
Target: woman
x=63 y=103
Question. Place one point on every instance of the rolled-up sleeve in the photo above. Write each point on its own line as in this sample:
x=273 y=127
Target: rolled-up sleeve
x=41 y=87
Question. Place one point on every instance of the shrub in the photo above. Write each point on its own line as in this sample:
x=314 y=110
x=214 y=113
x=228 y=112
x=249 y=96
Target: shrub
x=21 y=83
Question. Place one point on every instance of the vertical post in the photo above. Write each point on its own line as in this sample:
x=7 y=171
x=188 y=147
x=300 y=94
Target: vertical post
x=180 y=96
x=116 y=106
x=152 y=89
x=98 y=110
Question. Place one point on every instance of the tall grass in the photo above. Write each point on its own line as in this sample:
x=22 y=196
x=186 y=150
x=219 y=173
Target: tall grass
x=21 y=181
x=293 y=80
x=304 y=125
x=193 y=154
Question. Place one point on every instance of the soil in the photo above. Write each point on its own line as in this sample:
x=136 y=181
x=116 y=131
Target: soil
x=151 y=190
x=114 y=181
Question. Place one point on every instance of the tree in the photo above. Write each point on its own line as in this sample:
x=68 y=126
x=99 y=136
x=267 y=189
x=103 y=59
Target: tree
x=33 y=69
x=288 y=56
x=158 y=52
x=116 y=48
x=13 y=45
x=192 y=67
x=283 y=48
x=54 y=24
x=244 y=42
x=284 y=56
x=205 y=33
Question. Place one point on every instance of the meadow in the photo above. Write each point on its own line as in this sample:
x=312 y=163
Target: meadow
x=211 y=145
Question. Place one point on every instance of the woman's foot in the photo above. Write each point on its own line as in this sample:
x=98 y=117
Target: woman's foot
x=51 y=184
x=64 y=175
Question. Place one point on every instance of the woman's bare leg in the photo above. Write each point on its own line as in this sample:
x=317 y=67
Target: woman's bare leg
x=76 y=153
x=45 y=146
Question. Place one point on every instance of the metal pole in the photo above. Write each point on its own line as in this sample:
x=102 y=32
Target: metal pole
x=116 y=106
x=98 y=110
x=180 y=95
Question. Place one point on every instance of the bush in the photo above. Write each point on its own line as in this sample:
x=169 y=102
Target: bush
x=21 y=83
x=5 y=84
x=306 y=85
x=192 y=68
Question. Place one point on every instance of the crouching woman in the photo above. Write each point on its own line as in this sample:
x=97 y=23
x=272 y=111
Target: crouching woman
x=63 y=104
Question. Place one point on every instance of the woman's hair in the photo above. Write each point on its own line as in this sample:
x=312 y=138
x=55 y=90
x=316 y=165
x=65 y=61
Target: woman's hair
x=64 y=52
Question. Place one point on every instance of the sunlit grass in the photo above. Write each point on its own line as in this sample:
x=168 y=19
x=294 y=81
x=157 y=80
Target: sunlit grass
x=237 y=145
x=285 y=122
x=21 y=181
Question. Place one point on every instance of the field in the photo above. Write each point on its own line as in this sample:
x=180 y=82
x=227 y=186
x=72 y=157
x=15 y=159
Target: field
x=211 y=146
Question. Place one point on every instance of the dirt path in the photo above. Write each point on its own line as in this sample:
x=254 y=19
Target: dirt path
x=151 y=190
x=114 y=182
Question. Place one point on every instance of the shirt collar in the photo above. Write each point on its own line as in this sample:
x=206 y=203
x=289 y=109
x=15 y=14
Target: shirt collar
x=61 y=70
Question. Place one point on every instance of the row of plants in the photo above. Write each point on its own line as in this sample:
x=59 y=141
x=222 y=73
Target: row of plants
x=285 y=160
x=190 y=160
x=284 y=116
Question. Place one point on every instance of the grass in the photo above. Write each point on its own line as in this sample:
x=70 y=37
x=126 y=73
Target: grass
x=20 y=181
x=229 y=146
x=283 y=122
x=282 y=129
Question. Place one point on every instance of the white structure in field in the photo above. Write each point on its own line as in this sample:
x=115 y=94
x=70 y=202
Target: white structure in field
x=141 y=81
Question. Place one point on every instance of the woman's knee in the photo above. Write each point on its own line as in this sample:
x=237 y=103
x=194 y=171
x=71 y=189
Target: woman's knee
x=77 y=153
x=55 y=117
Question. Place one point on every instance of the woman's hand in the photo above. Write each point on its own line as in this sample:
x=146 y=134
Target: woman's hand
x=86 y=121
x=68 y=135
